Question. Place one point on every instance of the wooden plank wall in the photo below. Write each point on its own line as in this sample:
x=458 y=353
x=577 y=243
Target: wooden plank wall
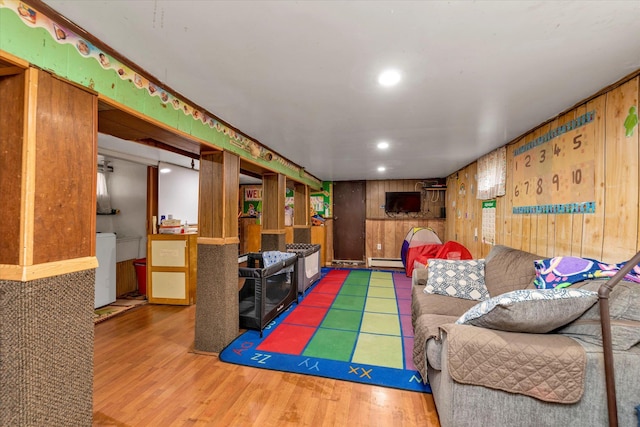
x=12 y=118
x=432 y=201
x=611 y=234
x=126 y=280
x=463 y=209
x=389 y=231
x=390 y=234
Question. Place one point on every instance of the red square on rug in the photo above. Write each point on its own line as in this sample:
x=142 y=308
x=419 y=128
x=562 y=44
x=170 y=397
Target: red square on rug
x=334 y=274
x=326 y=287
x=287 y=339
x=318 y=300
x=306 y=316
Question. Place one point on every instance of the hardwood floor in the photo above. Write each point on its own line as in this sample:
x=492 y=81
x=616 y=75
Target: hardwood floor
x=146 y=374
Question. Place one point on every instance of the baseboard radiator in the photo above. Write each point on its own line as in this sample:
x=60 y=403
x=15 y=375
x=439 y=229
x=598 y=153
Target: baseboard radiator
x=385 y=262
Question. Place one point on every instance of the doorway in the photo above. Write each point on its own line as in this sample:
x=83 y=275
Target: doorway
x=349 y=221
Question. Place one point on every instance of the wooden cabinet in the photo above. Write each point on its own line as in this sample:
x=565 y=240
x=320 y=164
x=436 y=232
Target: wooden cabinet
x=172 y=268
x=253 y=239
x=318 y=237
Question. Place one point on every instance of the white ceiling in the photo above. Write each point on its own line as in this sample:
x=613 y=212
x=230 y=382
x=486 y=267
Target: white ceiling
x=300 y=76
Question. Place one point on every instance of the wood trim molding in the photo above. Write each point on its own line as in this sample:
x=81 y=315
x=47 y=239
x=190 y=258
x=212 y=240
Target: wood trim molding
x=7 y=57
x=152 y=200
x=273 y=232
x=219 y=241
x=26 y=273
x=27 y=210
x=10 y=71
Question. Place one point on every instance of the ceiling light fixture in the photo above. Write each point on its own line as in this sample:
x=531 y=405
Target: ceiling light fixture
x=383 y=145
x=389 y=78
x=165 y=170
x=381 y=169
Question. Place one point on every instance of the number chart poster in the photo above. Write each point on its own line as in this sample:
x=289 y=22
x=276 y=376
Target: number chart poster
x=555 y=173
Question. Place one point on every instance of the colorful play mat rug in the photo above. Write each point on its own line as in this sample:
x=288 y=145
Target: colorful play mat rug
x=353 y=325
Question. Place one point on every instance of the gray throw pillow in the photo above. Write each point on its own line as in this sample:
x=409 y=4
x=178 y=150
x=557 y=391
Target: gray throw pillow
x=530 y=310
x=460 y=279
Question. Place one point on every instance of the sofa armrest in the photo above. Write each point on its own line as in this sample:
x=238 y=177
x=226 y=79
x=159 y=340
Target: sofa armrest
x=419 y=276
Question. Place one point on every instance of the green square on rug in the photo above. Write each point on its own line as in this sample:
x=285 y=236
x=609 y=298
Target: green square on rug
x=331 y=344
x=354 y=290
x=346 y=320
x=348 y=302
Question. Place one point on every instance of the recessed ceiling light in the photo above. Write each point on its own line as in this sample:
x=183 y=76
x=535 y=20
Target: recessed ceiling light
x=383 y=145
x=389 y=78
x=165 y=170
x=381 y=169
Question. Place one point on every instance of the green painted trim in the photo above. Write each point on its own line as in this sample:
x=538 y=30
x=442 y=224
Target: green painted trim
x=34 y=37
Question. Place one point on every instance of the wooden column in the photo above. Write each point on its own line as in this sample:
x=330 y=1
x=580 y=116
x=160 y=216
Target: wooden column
x=301 y=221
x=152 y=199
x=47 y=256
x=217 y=313
x=273 y=197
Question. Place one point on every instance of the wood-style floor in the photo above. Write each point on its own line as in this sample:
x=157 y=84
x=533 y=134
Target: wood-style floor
x=146 y=374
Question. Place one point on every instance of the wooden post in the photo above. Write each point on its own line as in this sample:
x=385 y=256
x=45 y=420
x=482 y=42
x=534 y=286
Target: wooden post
x=217 y=312
x=273 y=197
x=301 y=210
x=47 y=256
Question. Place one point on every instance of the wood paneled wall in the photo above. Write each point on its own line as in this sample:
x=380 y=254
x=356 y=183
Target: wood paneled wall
x=390 y=233
x=12 y=120
x=432 y=200
x=126 y=279
x=65 y=171
x=611 y=234
x=464 y=211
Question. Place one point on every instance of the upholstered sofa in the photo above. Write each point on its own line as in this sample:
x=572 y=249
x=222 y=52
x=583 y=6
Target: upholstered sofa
x=527 y=370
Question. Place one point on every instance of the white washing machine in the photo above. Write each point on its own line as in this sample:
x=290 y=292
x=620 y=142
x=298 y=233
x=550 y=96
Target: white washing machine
x=106 y=271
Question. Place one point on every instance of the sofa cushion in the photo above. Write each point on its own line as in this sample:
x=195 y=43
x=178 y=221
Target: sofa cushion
x=624 y=311
x=509 y=269
x=530 y=310
x=422 y=303
x=460 y=279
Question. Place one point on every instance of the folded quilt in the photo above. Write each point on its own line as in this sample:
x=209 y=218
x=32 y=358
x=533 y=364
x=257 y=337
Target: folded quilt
x=548 y=367
x=426 y=327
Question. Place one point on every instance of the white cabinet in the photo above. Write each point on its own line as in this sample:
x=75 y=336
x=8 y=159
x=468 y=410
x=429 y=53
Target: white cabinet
x=105 y=286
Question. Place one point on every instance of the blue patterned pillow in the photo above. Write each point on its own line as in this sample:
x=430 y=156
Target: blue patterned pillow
x=530 y=310
x=460 y=279
x=563 y=271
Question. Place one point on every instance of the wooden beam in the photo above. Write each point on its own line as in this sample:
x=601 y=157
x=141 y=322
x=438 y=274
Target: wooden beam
x=218 y=202
x=10 y=71
x=301 y=205
x=273 y=197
